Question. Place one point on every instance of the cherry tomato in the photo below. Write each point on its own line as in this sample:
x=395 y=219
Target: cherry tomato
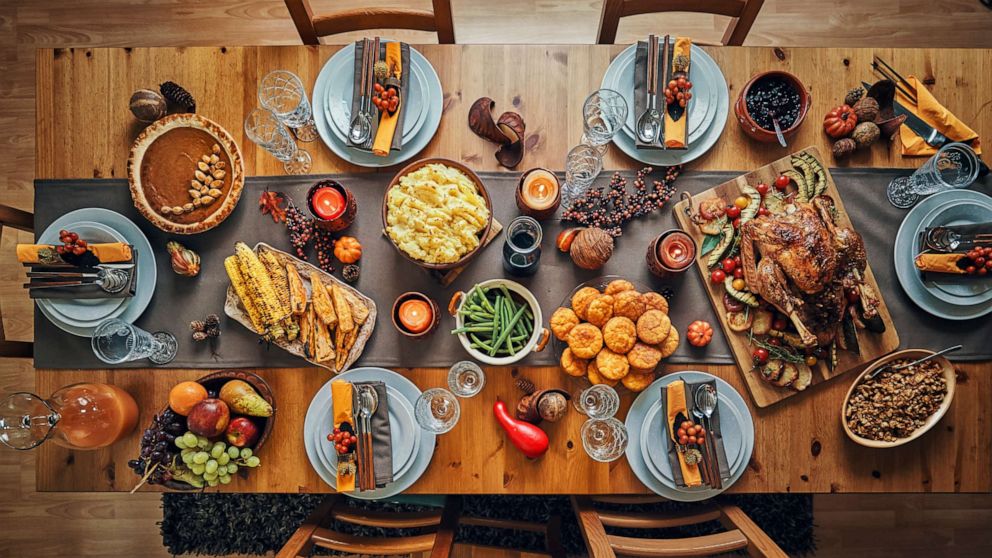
x=73 y=237
x=717 y=276
x=684 y=441
x=685 y=424
x=79 y=251
x=701 y=438
x=353 y=439
x=763 y=211
x=700 y=431
x=780 y=324
x=60 y=249
x=693 y=440
x=742 y=201
x=811 y=360
x=739 y=273
x=737 y=260
x=739 y=284
x=982 y=270
x=729 y=264
x=970 y=269
x=762 y=188
x=737 y=223
x=782 y=182
x=733 y=211
x=775 y=341
x=759 y=355
x=853 y=295
x=681 y=432
x=979 y=261
x=988 y=264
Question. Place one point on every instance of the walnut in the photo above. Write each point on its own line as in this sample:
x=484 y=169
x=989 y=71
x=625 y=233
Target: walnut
x=865 y=134
x=592 y=248
x=866 y=109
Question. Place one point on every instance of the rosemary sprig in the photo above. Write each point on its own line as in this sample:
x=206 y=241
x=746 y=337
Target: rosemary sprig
x=776 y=351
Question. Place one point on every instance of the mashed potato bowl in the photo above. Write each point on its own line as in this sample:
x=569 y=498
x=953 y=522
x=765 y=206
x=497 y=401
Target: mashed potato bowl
x=436 y=212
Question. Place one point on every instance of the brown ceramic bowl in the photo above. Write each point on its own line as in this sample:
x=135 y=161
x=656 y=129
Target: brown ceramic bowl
x=751 y=127
x=478 y=185
x=214 y=382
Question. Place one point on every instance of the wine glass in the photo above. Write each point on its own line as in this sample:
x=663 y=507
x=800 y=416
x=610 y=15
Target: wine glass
x=264 y=128
x=582 y=165
x=283 y=93
x=955 y=165
x=466 y=378
x=603 y=114
x=604 y=439
x=115 y=341
x=437 y=410
x=598 y=402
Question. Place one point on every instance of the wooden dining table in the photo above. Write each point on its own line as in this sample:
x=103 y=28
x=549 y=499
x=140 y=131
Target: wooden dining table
x=84 y=129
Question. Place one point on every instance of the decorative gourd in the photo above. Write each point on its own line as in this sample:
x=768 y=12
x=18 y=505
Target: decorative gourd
x=700 y=333
x=840 y=121
x=348 y=249
x=528 y=438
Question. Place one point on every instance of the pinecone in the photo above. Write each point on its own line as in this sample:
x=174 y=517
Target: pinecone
x=668 y=293
x=213 y=321
x=213 y=333
x=351 y=273
x=199 y=336
x=198 y=325
x=525 y=385
x=178 y=96
x=853 y=96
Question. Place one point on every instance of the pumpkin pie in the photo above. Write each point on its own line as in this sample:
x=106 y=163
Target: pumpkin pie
x=186 y=174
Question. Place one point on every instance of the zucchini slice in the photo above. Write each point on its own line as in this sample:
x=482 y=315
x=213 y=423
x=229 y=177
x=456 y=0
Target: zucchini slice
x=751 y=210
x=745 y=297
x=717 y=254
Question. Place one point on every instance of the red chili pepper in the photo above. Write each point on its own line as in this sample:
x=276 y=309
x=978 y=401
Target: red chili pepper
x=528 y=438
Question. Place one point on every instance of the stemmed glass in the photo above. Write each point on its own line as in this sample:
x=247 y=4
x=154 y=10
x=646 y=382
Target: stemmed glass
x=437 y=410
x=955 y=165
x=582 y=165
x=604 y=439
x=603 y=114
x=264 y=128
x=597 y=402
x=466 y=378
x=115 y=341
x=283 y=93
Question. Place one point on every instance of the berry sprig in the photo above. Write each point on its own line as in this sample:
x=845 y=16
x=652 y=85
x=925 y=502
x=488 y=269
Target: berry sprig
x=300 y=229
x=344 y=441
x=71 y=244
x=611 y=207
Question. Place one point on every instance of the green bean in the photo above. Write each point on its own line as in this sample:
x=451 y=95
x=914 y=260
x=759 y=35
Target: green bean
x=472 y=329
x=507 y=329
x=497 y=318
x=482 y=344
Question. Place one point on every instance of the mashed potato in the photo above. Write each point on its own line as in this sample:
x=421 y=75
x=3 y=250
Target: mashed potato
x=435 y=214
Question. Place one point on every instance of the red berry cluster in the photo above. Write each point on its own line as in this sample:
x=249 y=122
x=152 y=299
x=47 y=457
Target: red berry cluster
x=344 y=441
x=323 y=245
x=300 y=229
x=678 y=92
x=71 y=244
x=385 y=99
x=980 y=261
x=690 y=433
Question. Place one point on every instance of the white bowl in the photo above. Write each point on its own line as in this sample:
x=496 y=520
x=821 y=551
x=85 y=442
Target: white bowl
x=538 y=340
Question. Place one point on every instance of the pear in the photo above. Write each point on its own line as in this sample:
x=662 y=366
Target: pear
x=244 y=400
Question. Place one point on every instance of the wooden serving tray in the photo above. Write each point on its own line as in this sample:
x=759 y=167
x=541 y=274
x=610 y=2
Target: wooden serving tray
x=873 y=345
x=236 y=311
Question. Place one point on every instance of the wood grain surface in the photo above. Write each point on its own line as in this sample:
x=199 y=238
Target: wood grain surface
x=873 y=345
x=799 y=445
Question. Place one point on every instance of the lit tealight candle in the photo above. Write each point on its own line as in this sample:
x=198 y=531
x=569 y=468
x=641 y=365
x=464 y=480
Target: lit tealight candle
x=328 y=203
x=415 y=315
x=540 y=189
x=676 y=250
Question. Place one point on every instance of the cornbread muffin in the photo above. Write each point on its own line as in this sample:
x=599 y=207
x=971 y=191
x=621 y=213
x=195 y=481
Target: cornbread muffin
x=668 y=346
x=618 y=285
x=653 y=327
x=644 y=356
x=581 y=300
x=620 y=334
x=600 y=310
x=637 y=382
x=655 y=300
x=585 y=340
x=592 y=373
x=610 y=365
x=628 y=304
x=573 y=365
x=562 y=321
x=636 y=370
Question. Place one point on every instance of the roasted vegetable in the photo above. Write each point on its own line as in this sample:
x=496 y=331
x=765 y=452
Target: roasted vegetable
x=241 y=289
x=297 y=292
x=754 y=197
x=717 y=254
x=321 y=300
x=280 y=282
x=790 y=373
x=762 y=323
x=743 y=296
x=740 y=321
x=260 y=289
x=850 y=335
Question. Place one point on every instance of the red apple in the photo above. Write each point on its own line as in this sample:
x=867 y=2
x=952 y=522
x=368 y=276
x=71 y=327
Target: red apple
x=241 y=432
x=208 y=418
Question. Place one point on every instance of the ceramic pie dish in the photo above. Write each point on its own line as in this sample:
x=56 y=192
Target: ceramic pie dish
x=186 y=174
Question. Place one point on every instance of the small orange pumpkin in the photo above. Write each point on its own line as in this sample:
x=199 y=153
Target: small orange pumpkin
x=700 y=333
x=348 y=249
x=840 y=121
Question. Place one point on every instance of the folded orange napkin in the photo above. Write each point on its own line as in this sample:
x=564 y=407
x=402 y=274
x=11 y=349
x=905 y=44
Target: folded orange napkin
x=675 y=405
x=933 y=113
x=341 y=399
x=940 y=263
x=675 y=130
x=113 y=252
x=387 y=124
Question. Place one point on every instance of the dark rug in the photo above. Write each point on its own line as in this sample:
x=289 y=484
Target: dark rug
x=218 y=524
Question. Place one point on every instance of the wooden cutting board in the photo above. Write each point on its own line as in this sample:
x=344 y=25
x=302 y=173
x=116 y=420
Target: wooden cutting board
x=873 y=345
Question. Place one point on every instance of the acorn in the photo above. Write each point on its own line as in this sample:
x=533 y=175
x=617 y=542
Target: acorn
x=147 y=105
x=844 y=147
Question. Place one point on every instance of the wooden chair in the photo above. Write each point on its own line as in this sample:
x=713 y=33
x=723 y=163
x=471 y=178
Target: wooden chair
x=313 y=27
x=438 y=538
x=741 y=12
x=741 y=533
x=21 y=220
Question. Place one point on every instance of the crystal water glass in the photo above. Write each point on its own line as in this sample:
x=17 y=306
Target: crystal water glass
x=264 y=128
x=437 y=410
x=115 y=341
x=582 y=165
x=283 y=93
x=604 y=439
x=955 y=165
x=466 y=379
x=598 y=401
x=603 y=114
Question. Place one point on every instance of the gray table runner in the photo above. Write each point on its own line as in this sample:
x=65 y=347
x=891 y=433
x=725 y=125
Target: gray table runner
x=385 y=274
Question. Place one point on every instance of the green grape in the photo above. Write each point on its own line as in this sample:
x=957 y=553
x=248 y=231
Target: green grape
x=245 y=453
x=197 y=469
x=233 y=452
x=202 y=442
x=190 y=439
x=212 y=482
x=208 y=476
x=186 y=451
x=180 y=443
x=201 y=457
x=252 y=461
x=187 y=458
x=217 y=451
x=232 y=468
x=224 y=479
x=223 y=459
x=211 y=466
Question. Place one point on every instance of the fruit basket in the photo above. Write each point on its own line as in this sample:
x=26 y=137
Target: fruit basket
x=229 y=413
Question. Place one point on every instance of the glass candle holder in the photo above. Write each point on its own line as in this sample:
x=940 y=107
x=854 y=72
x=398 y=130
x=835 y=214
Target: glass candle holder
x=538 y=194
x=672 y=252
x=332 y=206
x=415 y=315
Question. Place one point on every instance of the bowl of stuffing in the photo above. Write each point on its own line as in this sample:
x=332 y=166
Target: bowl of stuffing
x=437 y=213
x=900 y=403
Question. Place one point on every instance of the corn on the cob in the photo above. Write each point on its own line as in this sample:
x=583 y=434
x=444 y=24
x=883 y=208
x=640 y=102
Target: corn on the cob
x=241 y=289
x=260 y=288
x=277 y=274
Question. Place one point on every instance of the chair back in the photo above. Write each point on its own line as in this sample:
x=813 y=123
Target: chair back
x=21 y=220
x=742 y=14
x=311 y=27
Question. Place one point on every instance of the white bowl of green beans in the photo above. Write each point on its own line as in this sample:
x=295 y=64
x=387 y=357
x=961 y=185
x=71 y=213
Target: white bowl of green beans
x=498 y=322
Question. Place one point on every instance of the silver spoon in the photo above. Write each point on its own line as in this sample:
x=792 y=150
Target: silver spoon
x=649 y=123
x=361 y=125
x=890 y=368
x=778 y=129
x=109 y=280
x=369 y=402
x=705 y=402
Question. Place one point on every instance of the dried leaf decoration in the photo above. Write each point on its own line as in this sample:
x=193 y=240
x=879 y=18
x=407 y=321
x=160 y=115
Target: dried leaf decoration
x=273 y=204
x=507 y=131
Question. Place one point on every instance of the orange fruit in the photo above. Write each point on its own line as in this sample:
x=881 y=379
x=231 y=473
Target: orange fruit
x=185 y=395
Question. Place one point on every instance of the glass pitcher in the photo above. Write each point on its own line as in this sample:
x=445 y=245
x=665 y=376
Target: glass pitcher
x=82 y=416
